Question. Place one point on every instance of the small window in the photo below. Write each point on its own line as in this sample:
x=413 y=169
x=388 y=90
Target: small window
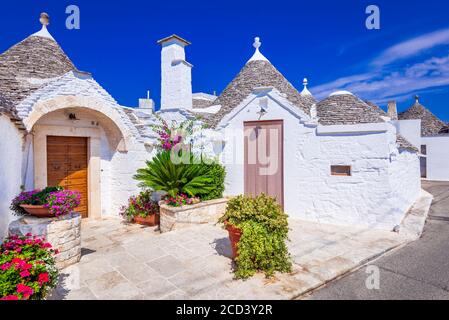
x=344 y=171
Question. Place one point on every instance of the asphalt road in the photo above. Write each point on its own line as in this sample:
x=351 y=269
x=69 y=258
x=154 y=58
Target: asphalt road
x=419 y=271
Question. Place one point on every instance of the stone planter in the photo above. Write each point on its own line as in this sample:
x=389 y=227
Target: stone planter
x=63 y=233
x=174 y=218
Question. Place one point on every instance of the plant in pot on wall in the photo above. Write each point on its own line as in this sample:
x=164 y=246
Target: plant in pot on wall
x=258 y=230
x=47 y=203
x=142 y=209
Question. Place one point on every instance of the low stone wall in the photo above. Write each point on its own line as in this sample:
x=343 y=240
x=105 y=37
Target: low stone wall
x=63 y=233
x=188 y=216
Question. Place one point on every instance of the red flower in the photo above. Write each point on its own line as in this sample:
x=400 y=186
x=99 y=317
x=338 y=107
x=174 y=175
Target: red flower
x=43 y=278
x=25 y=290
x=26 y=266
x=10 y=298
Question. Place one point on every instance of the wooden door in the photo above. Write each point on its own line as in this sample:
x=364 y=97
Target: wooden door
x=264 y=159
x=67 y=166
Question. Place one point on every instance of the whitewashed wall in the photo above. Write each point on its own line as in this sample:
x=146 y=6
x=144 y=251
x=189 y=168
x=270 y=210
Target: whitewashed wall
x=437 y=157
x=10 y=170
x=309 y=189
x=410 y=130
x=405 y=182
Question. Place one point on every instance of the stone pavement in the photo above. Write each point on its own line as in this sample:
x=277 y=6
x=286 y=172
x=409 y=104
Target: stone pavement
x=126 y=261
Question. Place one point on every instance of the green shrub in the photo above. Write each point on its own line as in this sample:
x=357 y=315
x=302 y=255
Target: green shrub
x=264 y=227
x=161 y=174
x=217 y=172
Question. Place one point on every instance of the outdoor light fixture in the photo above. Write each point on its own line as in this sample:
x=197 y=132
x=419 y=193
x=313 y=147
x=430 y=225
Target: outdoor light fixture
x=73 y=117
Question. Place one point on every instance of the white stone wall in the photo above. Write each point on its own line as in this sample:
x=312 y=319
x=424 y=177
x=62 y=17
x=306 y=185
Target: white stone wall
x=410 y=130
x=310 y=191
x=437 y=157
x=10 y=170
x=405 y=182
x=123 y=167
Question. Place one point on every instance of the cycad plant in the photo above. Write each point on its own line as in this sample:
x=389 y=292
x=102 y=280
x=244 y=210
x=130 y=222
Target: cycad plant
x=161 y=174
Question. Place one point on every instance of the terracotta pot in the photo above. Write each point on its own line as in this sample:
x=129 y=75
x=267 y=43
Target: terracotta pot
x=37 y=211
x=234 y=235
x=151 y=220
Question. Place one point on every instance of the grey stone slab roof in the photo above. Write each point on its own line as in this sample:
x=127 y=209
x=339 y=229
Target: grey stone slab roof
x=345 y=109
x=255 y=74
x=430 y=124
x=30 y=65
x=201 y=103
x=404 y=144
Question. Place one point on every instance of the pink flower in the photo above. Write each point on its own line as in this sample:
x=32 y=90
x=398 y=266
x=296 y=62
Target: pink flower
x=5 y=266
x=25 y=290
x=25 y=274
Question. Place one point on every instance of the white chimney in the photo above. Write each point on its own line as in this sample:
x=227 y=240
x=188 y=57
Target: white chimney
x=176 y=74
x=392 y=110
x=146 y=105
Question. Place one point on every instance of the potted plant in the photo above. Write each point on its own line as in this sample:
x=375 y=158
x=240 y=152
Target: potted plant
x=142 y=209
x=27 y=268
x=258 y=231
x=47 y=203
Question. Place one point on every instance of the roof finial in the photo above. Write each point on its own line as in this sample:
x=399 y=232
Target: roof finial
x=417 y=99
x=257 y=55
x=44 y=19
x=305 y=91
x=257 y=43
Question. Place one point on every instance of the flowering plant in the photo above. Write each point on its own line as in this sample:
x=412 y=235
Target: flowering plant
x=60 y=203
x=27 y=268
x=171 y=135
x=35 y=197
x=141 y=205
x=181 y=200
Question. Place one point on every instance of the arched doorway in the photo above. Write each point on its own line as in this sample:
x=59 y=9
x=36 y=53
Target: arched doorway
x=71 y=145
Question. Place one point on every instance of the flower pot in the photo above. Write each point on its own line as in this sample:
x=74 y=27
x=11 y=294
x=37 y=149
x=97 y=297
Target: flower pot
x=234 y=235
x=37 y=211
x=151 y=220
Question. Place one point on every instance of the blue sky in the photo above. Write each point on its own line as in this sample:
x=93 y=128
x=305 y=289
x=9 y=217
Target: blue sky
x=325 y=41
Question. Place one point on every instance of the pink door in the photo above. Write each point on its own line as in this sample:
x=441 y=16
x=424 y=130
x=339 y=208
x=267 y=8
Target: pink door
x=264 y=159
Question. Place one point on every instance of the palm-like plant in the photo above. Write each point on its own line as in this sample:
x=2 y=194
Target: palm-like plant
x=161 y=174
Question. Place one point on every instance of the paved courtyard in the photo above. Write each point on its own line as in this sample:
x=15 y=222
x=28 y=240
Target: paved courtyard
x=126 y=261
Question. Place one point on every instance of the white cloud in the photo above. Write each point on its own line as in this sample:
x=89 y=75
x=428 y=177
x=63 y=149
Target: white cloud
x=385 y=82
x=412 y=47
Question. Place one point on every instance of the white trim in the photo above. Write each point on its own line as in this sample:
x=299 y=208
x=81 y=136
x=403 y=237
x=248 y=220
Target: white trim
x=274 y=95
x=355 y=128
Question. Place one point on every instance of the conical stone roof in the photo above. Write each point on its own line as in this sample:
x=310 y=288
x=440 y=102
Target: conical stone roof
x=430 y=124
x=257 y=73
x=30 y=64
x=344 y=108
